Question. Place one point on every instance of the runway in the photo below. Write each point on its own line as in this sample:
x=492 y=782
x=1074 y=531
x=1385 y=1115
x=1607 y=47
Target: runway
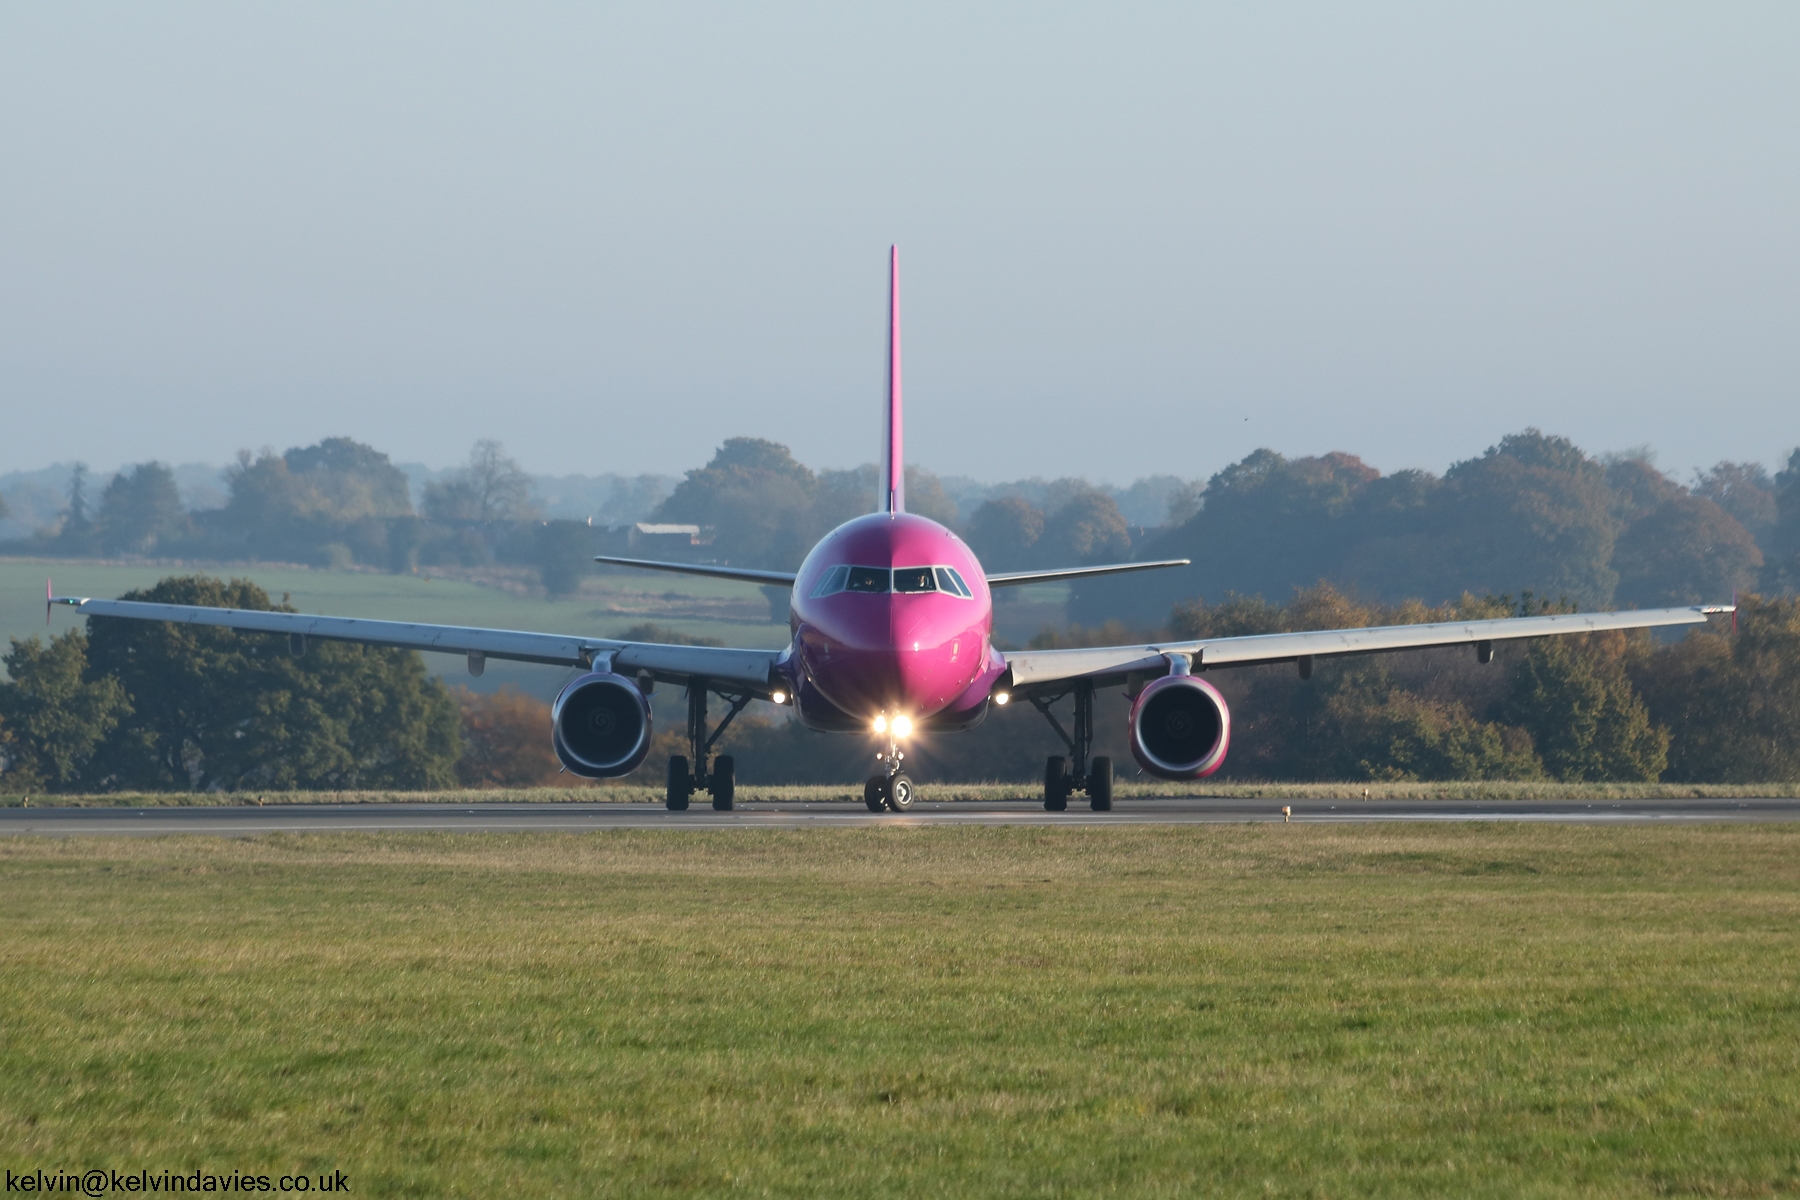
x=585 y=818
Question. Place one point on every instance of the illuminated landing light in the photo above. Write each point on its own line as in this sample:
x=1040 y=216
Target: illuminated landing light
x=778 y=697
x=1002 y=697
x=902 y=726
x=880 y=724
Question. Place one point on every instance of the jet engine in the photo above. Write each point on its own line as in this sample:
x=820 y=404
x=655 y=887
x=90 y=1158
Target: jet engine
x=600 y=725
x=1180 y=727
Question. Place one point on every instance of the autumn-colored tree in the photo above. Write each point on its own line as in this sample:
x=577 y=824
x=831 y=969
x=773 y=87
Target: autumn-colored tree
x=506 y=741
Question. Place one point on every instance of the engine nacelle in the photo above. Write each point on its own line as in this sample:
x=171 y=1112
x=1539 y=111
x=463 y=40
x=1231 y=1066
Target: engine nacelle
x=1180 y=727
x=600 y=726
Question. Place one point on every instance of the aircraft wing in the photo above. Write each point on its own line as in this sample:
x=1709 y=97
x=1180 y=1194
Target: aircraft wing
x=670 y=664
x=1044 y=670
x=1020 y=578
x=782 y=578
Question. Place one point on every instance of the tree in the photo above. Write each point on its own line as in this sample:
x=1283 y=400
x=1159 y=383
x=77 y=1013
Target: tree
x=1732 y=703
x=492 y=487
x=223 y=709
x=1782 y=570
x=140 y=509
x=1575 y=698
x=1745 y=491
x=758 y=501
x=301 y=503
x=1676 y=547
x=563 y=554
x=1087 y=529
x=506 y=740
x=54 y=719
x=1004 y=533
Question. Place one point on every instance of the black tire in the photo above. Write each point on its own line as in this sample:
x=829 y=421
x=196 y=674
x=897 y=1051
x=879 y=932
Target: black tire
x=724 y=782
x=900 y=792
x=1100 y=784
x=1056 y=783
x=875 y=793
x=681 y=784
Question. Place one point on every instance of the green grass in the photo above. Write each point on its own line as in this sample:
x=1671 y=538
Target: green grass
x=609 y=604
x=1286 y=1010
x=934 y=790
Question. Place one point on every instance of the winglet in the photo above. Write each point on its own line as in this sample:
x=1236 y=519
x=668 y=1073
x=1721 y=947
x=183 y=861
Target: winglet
x=893 y=463
x=49 y=599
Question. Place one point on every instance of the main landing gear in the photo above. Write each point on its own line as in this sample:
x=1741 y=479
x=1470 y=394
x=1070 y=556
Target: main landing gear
x=721 y=781
x=1065 y=776
x=893 y=788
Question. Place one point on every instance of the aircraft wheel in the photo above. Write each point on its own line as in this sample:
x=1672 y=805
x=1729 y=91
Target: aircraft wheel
x=873 y=793
x=900 y=792
x=724 y=782
x=681 y=784
x=1100 y=784
x=1056 y=783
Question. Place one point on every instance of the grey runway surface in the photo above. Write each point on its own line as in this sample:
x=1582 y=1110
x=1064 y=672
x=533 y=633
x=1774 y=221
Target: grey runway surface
x=579 y=818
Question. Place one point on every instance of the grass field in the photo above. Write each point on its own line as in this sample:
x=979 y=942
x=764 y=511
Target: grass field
x=1271 y=1010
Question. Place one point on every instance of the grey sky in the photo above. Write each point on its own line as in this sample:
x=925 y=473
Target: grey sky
x=613 y=236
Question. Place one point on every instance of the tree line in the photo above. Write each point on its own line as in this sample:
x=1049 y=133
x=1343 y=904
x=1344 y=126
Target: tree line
x=134 y=705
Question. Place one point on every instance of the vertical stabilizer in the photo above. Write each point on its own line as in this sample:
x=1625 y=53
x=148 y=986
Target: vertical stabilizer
x=893 y=462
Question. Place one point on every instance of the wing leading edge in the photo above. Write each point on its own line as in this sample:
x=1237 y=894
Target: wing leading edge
x=1039 y=668
x=672 y=664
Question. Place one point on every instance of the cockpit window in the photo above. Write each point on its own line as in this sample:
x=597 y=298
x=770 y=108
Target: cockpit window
x=867 y=579
x=909 y=581
x=832 y=581
x=950 y=581
x=914 y=579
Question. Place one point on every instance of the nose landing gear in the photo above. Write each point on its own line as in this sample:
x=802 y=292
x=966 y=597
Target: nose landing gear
x=892 y=789
x=1077 y=773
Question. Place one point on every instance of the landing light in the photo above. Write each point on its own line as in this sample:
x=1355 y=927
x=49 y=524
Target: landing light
x=902 y=726
x=1002 y=697
x=778 y=697
x=880 y=724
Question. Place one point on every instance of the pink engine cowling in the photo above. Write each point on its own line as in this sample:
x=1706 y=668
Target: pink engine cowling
x=600 y=726
x=1180 y=727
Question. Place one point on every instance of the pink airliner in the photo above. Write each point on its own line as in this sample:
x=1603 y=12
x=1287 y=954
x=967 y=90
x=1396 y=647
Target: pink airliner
x=892 y=620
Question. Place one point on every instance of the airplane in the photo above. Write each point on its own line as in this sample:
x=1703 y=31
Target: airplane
x=891 y=619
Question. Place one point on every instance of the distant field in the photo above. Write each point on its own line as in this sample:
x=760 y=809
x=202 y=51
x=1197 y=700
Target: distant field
x=1271 y=1010
x=734 y=613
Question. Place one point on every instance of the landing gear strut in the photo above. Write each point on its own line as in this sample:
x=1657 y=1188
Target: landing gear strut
x=1077 y=773
x=721 y=780
x=893 y=788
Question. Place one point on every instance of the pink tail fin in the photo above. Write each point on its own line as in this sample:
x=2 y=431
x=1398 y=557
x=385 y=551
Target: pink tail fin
x=893 y=462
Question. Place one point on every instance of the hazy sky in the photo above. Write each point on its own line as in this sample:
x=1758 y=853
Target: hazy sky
x=1133 y=239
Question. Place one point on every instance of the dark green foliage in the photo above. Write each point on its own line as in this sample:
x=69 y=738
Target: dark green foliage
x=1782 y=572
x=52 y=719
x=1004 y=533
x=1676 y=547
x=330 y=504
x=1732 y=703
x=1573 y=695
x=215 y=708
x=141 y=510
x=563 y=552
